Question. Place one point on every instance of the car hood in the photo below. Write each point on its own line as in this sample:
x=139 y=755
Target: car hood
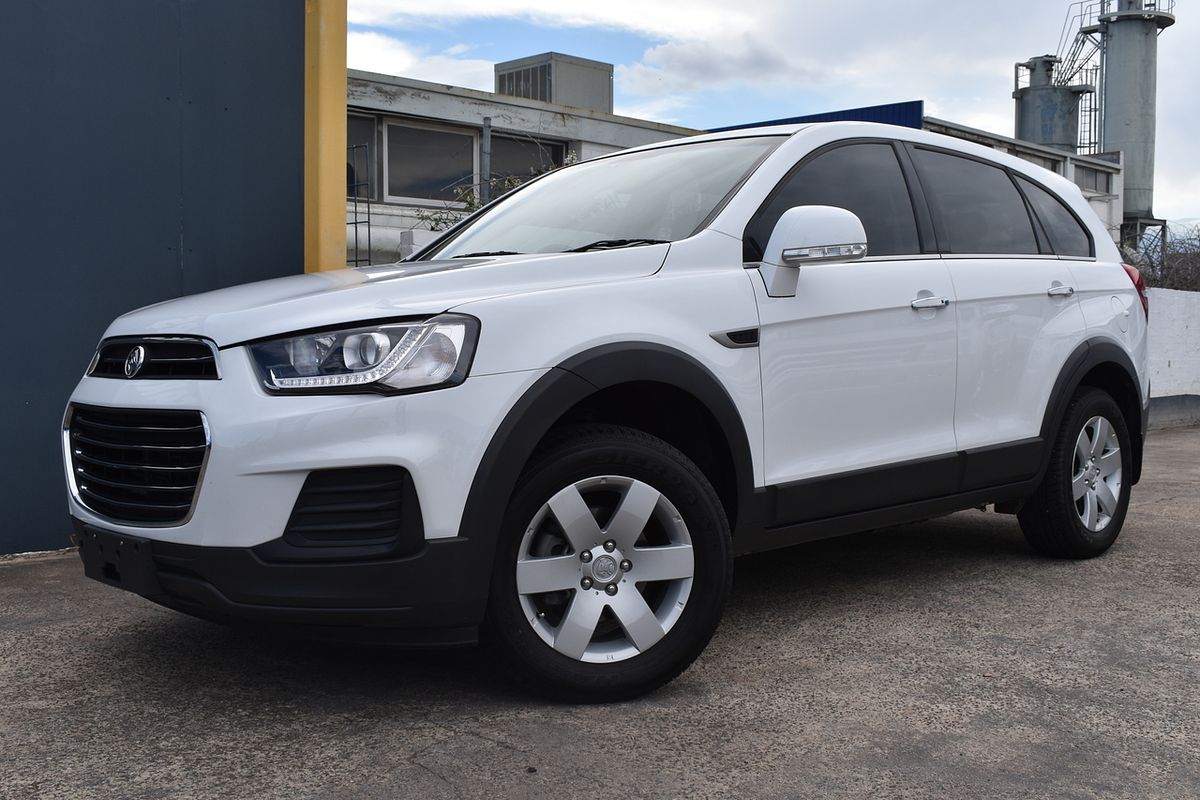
x=315 y=300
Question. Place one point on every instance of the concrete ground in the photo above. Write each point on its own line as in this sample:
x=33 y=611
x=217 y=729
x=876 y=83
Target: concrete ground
x=941 y=659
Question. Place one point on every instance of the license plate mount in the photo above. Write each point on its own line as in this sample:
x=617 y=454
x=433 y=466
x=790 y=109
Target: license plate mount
x=117 y=559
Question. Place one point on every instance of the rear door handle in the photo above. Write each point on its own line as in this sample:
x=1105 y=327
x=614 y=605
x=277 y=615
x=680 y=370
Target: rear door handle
x=929 y=302
x=1060 y=291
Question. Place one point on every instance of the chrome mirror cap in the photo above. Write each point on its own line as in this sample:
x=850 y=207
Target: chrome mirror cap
x=834 y=252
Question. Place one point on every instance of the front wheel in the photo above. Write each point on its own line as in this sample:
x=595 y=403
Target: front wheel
x=1078 y=510
x=613 y=568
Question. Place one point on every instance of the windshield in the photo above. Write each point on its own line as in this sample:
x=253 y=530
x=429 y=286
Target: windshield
x=651 y=196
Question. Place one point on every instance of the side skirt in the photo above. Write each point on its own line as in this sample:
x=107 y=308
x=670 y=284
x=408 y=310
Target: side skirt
x=773 y=538
x=880 y=497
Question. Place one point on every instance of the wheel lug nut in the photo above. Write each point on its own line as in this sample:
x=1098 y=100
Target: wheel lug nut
x=610 y=545
x=611 y=589
x=586 y=583
x=626 y=565
x=585 y=556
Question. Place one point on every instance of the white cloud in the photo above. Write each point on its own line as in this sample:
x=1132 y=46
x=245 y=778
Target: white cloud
x=700 y=65
x=376 y=52
x=659 y=109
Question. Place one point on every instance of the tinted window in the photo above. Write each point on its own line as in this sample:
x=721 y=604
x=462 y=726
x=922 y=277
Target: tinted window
x=862 y=178
x=981 y=209
x=1067 y=236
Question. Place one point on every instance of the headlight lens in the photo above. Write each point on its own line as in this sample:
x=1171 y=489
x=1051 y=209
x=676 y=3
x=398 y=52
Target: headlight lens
x=394 y=357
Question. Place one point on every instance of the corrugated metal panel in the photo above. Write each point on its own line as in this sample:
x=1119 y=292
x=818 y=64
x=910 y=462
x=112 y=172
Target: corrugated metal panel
x=152 y=148
x=908 y=115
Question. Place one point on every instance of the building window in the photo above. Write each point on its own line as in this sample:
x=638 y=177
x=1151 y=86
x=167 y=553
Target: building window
x=1092 y=180
x=426 y=164
x=524 y=158
x=360 y=157
x=1043 y=162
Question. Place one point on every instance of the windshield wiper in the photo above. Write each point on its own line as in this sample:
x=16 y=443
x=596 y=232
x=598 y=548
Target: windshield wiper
x=483 y=253
x=612 y=244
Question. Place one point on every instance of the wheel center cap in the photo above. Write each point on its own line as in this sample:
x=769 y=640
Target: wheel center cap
x=604 y=568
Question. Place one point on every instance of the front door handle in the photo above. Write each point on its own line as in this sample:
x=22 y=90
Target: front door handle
x=929 y=302
x=1058 y=290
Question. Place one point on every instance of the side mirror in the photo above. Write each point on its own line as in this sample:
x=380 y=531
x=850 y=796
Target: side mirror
x=809 y=235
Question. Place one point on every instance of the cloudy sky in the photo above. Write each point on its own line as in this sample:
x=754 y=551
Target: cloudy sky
x=708 y=63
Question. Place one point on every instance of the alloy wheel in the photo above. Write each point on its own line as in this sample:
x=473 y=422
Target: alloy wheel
x=1096 y=473
x=604 y=569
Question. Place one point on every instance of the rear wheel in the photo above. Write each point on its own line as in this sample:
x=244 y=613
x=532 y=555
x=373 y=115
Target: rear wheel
x=613 y=567
x=1079 y=509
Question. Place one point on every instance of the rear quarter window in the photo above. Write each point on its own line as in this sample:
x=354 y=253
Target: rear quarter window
x=1067 y=235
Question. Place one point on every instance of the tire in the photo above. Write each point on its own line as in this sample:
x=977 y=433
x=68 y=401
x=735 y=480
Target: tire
x=1078 y=509
x=598 y=508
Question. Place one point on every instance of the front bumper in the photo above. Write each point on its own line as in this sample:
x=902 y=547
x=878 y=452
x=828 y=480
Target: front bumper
x=433 y=597
x=227 y=561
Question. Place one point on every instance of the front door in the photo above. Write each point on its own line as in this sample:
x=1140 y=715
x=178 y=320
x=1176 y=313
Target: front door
x=858 y=384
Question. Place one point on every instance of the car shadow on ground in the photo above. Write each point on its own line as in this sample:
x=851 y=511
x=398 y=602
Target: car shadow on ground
x=925 y=551
x=166 y=654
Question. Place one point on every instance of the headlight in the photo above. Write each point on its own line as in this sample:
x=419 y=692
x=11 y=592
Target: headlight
x=389 y=358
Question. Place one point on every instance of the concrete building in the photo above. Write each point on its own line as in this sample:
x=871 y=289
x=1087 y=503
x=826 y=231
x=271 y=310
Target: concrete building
x=417 y=146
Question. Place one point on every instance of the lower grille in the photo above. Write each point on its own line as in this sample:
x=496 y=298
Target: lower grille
x=353 y=506
x=136 y=465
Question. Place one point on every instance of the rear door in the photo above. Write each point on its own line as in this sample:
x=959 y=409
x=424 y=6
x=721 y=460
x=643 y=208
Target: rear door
x=855 y=378
x=1018 y=318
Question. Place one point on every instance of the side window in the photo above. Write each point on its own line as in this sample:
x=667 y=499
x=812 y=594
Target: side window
x=1067 y=235
x=980 y=208
x=862 y=178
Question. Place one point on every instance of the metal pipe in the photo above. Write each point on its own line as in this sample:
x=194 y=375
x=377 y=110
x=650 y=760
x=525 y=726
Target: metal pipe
x=485 y=163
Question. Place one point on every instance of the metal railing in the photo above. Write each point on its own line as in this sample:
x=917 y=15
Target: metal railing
x=358 y=198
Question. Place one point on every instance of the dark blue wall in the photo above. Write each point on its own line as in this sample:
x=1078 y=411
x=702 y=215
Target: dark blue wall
x=148 y=149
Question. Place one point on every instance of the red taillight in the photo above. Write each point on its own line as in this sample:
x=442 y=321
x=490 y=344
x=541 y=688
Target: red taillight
x=1140 y=285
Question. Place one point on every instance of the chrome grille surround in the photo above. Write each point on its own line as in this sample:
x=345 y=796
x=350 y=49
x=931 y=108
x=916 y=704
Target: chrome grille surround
x=166 y=358
x=123 y=464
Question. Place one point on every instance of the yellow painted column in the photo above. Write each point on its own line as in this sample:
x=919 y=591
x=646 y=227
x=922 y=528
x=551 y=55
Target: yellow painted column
x=324 y=134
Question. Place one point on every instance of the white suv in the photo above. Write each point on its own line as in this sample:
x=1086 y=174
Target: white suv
x=558 y=423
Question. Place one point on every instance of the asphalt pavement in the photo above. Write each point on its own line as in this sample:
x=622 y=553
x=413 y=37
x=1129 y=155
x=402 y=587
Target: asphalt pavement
x=941 y=659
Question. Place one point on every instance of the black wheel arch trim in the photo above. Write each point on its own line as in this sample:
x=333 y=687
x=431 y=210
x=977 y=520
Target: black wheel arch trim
x=636 y=362
x=556 y=393
x=1087 y=356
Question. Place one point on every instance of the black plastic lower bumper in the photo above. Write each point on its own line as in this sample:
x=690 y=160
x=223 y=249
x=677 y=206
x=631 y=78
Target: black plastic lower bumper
x=433 y=597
